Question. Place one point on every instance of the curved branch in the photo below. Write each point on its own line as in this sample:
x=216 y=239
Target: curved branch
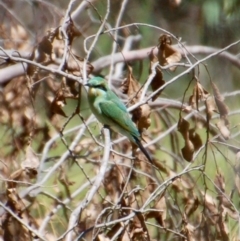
x=77 y=212
x=6 y=74
x=140 y=54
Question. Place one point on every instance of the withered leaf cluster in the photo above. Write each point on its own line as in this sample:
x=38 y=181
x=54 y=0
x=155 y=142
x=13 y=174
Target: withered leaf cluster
x=39 y=91
x=128 y=201
x=141 y=115
x=11 y=226
x=166 y=53
x=192 y=140
x=170 y=200
x=157 y=81
x=213 y=105
x=223 y=123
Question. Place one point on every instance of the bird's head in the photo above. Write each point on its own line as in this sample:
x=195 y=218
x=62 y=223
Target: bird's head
x=98 y=83
x=97 y=86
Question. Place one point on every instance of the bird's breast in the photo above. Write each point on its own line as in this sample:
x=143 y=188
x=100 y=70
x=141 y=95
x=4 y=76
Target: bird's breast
x=93 y=92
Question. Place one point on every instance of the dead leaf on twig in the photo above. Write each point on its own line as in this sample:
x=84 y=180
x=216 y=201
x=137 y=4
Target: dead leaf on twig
x=11 y=227
x=75 y=65
x=210 y=107
x=166 y=53
x=223 y=123
x=192 y=140
x=222 y=107
x=31 y=162
x=157 y=81
x=141 y=115
x=199 y=94
x=58 y=103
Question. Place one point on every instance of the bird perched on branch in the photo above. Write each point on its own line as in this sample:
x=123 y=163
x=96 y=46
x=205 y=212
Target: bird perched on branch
x=111 y=111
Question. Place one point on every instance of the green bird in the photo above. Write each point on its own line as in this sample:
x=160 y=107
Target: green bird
x=111 y=111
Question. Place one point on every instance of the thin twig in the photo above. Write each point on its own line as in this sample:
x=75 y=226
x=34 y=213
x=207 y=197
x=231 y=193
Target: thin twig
x=99 y=178
x=8 y=210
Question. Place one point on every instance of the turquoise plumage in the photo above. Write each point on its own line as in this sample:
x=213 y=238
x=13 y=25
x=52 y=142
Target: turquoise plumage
x=112 y=112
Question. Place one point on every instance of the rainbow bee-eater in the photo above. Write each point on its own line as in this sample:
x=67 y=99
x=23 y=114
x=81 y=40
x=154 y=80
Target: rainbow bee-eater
x=111 y=111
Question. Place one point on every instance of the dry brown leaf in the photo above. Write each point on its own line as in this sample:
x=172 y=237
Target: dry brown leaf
x=187 y=108
x=188 y=151
x=137 y=234
x=31 y=162
x=131 y=87
x=199 y=94
x=45 y=46
x=189 y=148
x=16 y=31
x=71 y=31
x=162 y=213
x=11 y=227
x=183 y=126
x=30 y=68
x=166 y=53
x=58 y=103
x=223 y=123
x=138 y=228
x=43 y=51
x=195 y=139
x=113 y=230
x=143 y=226
x=192 y=102
x=157 y=81
x=211 y=203
x=144 y=121
x=162 y=167
x=233 y=213
x=125 y=236
x=191 y=206
x=222 y=229
x=15 y=176
x=14 y=201
x=75 y=65
x=225 y=205
x=181 y=185
x=223 y=128
x=188 y=231
x=73 y=88
x=210 y=106
x=102 y=237
x=220 y=183
x=63 y=179
x=222 y=107
x=141 y=115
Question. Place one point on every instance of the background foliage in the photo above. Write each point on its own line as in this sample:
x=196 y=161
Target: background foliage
x=62 y=177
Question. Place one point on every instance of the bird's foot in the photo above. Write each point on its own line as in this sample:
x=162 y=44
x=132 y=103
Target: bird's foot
x=106 y=126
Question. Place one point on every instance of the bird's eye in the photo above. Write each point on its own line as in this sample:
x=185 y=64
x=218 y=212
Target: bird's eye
x=102 y=87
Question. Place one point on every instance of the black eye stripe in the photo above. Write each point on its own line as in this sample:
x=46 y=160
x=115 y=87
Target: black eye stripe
x=100 y=87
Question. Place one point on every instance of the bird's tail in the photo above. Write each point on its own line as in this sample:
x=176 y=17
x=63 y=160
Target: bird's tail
x=144 y=151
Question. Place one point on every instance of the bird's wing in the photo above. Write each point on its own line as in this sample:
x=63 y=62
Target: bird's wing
x=114 y=98
x=119 y=116
x=124 y=124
